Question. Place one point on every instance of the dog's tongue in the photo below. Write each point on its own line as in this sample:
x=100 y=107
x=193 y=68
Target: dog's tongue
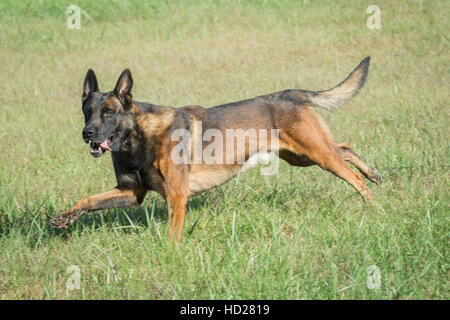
x=104 y=145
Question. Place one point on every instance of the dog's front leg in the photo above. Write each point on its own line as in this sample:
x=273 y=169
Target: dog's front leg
x=179 y=213
x=116 y=198
x=177 y=196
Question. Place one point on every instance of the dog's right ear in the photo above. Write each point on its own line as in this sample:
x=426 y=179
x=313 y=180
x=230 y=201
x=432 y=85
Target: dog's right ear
x=123 y=88
x=90 y=84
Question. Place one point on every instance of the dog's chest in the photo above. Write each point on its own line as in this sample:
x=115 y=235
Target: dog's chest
x=204 y=177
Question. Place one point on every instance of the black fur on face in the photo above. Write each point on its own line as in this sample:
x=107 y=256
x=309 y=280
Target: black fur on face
x=107 y=116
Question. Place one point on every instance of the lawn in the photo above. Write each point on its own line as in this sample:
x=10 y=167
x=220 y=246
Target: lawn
x=300 y=234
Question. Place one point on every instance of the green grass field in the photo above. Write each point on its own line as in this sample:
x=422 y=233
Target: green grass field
x=301 y=234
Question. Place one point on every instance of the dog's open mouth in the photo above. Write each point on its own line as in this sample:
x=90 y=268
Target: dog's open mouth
x=97 y=149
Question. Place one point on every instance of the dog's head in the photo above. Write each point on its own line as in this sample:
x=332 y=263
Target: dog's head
x=107 y=116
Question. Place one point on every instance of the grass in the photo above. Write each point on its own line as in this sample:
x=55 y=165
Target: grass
x=302 y=234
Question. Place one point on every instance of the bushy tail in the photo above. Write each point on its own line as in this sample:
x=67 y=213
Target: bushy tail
x=338 y=96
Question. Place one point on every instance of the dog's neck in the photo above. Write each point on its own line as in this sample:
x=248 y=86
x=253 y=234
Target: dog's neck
x=152 y=119
x=143 y=122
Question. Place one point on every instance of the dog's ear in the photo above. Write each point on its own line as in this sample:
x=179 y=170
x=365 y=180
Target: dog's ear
x=123 y=88
x=90 y=84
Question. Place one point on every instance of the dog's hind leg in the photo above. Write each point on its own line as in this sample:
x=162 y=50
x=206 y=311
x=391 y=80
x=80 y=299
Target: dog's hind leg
x=350 y=156
x=116 y=198
x=329 y=159
x=310 y=140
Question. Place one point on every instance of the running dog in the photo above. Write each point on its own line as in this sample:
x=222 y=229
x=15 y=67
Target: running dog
x=140 y=135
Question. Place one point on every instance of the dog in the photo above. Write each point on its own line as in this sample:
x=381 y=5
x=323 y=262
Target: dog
x=140 y=135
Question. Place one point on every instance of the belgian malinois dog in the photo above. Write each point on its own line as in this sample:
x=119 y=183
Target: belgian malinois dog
x=140 y=138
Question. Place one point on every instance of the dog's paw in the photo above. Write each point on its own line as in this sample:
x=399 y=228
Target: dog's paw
x=63 y=221
x=375 y=177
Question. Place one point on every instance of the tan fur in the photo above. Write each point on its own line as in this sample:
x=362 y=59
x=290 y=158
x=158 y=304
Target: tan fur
x=205 y=177
x=153 y=125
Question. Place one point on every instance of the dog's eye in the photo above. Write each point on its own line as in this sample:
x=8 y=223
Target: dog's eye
x=108 y=113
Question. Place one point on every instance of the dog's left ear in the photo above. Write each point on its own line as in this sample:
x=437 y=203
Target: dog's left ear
x=90 y=84
x=123 y=88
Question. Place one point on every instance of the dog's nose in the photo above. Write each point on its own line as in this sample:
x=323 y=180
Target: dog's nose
x=87 y=133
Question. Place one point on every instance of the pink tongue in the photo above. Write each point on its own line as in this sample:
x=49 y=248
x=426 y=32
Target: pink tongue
x=104 y=145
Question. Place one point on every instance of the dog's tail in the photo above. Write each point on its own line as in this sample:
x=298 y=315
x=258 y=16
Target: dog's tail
x=338 y=96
